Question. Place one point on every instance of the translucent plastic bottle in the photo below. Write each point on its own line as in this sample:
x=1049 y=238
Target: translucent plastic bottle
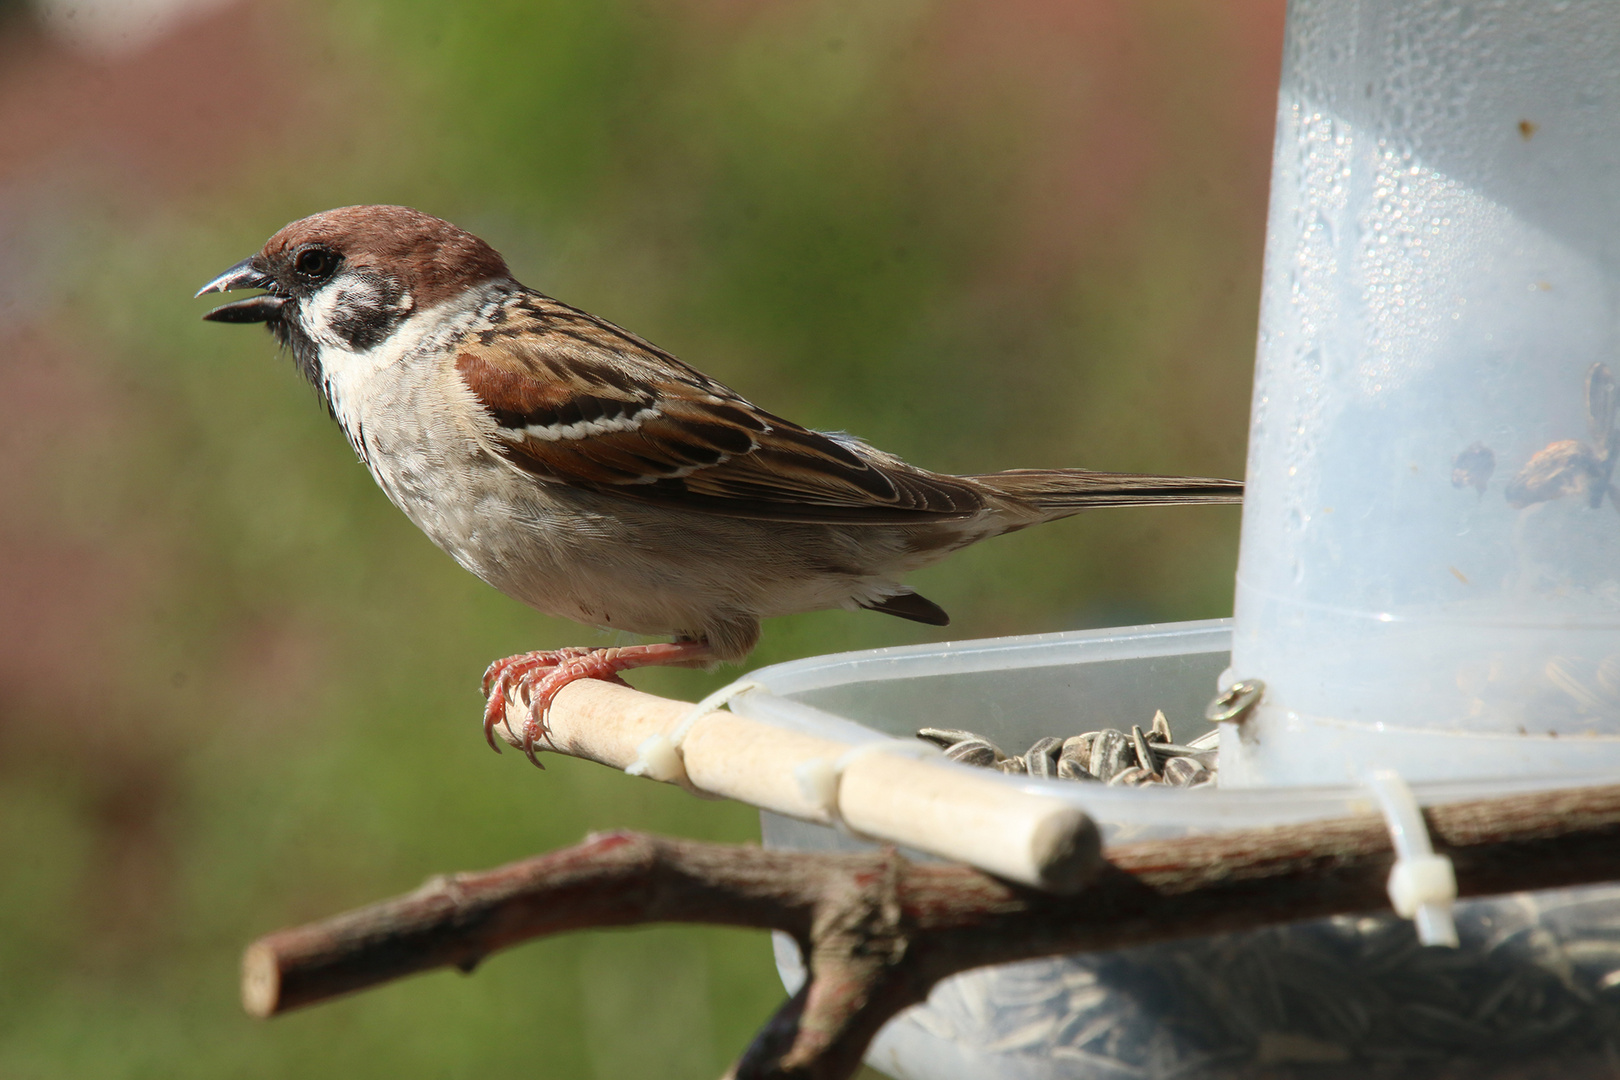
x=1430 y=566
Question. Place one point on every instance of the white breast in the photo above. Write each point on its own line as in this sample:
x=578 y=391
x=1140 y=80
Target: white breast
x=412 y=422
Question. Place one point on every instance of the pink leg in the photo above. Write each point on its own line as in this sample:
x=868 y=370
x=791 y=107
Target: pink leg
x=541 y=675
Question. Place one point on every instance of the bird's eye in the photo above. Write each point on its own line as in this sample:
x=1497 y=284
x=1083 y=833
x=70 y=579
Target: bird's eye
x=315 y=263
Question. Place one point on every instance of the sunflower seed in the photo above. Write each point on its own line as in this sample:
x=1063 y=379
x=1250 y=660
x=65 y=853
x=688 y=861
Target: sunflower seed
x=1164 y=750
x=1110 y=753
x=1078 y=750
x=1144 y=753
x=1183 y=771
x=974 y=751
x=1131 y=776
x=1070 y=769
x=944 y=738
x=1041 y=759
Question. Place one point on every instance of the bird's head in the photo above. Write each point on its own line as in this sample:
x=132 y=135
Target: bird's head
x=349 y=278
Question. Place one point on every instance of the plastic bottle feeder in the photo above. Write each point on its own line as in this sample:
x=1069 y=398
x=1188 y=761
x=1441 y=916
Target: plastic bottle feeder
x=1428 y=586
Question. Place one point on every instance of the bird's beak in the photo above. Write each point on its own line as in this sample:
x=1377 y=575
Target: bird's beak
x=254 y=308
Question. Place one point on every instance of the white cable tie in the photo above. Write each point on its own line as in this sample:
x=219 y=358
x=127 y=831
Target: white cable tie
x=1422 y=885
x=820 y=781
x=659 y=756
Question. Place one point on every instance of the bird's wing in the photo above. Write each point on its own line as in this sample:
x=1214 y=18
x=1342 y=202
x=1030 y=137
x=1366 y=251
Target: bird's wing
x=578 y=401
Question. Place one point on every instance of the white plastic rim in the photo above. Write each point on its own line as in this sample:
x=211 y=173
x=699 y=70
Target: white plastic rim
x=996 y=654
x=1143 y=811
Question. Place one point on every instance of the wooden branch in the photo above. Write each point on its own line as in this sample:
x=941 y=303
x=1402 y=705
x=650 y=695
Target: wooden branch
x=878 y=931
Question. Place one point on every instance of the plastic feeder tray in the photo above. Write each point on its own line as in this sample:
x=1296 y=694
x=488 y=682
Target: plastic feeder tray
x=1535 y=985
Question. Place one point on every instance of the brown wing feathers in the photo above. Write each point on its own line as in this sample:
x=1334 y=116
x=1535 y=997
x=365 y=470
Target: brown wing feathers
x=570 y=412
x=578 y=401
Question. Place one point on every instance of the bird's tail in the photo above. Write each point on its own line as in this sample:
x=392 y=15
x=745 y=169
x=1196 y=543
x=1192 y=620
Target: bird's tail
x=1060 y=492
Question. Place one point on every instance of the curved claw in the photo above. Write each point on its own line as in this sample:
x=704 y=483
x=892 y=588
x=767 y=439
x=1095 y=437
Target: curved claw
x=529 y=732
x=490 y=673
x=539 y=703
x=494 y=712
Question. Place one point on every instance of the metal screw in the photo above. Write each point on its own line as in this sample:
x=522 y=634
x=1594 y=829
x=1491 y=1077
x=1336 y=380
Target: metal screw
x=1235 y=703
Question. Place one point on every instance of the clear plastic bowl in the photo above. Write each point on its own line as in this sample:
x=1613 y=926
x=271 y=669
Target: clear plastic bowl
x=1534 y=990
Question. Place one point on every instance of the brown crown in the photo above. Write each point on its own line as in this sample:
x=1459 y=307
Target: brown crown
x=432 y=258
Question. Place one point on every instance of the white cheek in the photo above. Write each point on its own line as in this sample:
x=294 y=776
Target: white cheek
x=342 y=295
x=360 y=380
x=318 y=312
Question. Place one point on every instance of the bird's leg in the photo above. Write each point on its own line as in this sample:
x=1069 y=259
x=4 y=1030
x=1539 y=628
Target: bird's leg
x=539 y=676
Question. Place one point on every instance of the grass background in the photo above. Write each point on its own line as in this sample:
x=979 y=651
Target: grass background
x=238 y=690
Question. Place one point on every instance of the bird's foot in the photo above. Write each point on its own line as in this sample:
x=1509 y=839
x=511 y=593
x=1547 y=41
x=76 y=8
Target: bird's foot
x=503 y=677
x=537 y=677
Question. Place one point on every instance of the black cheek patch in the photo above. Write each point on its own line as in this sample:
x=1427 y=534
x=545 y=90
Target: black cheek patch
x=364 y=317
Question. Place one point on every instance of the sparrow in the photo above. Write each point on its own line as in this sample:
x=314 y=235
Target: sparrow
x=589 y=474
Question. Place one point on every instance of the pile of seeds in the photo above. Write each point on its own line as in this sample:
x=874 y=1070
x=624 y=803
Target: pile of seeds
x=1533 y=993
x=1112 y=756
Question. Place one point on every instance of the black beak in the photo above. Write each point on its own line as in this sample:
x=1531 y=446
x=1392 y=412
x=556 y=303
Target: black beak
x=254 y=308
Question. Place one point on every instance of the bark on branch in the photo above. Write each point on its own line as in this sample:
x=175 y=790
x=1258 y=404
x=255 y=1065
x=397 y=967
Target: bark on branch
x=878 y=931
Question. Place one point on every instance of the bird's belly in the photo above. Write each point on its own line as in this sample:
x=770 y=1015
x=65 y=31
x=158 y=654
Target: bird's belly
x=616 y=563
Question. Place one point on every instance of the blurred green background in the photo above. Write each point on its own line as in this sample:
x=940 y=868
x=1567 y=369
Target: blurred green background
x=238 y=690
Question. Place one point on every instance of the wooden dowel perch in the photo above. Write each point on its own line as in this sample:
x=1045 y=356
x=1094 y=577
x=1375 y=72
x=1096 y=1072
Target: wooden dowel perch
x=953 y=811
x=878 y=931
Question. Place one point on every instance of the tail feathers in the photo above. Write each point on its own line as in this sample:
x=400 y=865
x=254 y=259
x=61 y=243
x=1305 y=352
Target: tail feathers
x=909 y=605
x=1060 y=491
